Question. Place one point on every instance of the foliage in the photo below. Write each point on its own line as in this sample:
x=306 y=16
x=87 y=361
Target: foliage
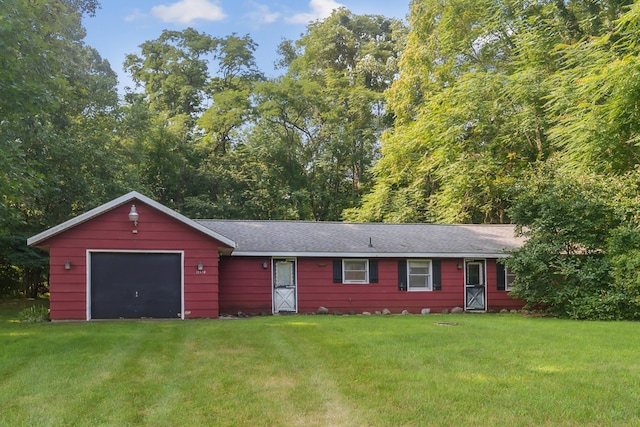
x=581 y=249
x=34 y=314
x=58 y=104
x=320 y=123
x=482 y=93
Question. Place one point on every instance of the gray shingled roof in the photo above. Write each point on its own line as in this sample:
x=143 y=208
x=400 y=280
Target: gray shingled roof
x=302 y=238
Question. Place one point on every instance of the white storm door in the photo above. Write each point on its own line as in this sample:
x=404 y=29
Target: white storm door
x=475 y=285
x=284 y=286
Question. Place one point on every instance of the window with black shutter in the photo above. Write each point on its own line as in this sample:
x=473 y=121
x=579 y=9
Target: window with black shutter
x=419 y=275
x=355 y=271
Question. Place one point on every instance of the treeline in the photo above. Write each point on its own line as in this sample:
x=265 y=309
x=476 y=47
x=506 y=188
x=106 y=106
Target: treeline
x=483 y=111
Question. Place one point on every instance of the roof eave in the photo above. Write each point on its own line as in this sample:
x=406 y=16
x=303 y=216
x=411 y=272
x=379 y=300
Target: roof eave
x=504 y=254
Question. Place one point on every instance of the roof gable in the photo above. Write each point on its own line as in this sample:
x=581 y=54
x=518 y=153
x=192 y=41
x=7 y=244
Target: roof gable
x=129 y=197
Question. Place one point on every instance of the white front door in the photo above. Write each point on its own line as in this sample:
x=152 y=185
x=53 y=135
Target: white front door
x=284 y=285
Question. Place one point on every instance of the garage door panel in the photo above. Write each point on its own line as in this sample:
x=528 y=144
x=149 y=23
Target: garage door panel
x=135 y=285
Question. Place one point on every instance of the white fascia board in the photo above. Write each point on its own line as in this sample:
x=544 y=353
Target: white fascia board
x=370 y=254
x=133 y=195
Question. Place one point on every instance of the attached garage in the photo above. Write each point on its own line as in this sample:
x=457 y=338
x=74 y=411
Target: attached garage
x=133 y=258
x=134 y=285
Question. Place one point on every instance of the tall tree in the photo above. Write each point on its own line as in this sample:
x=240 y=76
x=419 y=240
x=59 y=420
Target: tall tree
x=57 y=104
x=325 y=116
x=596 y=99
x=197 y=91
x=470 y=105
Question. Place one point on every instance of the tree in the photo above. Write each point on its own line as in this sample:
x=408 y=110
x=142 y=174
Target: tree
x=596 y=97
x=57 y=105
x=470 y=105
x=198 y=90
x=323 y=119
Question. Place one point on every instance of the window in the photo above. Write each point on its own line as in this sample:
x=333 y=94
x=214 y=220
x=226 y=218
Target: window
x=419 y=275
x=355 y=271
x=283 y=273
x=509 y=277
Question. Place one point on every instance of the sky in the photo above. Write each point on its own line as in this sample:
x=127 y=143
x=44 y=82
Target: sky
x=121 y=26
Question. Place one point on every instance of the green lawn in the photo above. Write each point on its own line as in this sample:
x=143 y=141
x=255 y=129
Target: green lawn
x=320 y=371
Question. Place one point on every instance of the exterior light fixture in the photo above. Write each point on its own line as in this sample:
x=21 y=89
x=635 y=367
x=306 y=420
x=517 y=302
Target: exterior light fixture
x=200 y=266
x=67 y=265
x=459 y=266
x=133 y=215
x=265 y=264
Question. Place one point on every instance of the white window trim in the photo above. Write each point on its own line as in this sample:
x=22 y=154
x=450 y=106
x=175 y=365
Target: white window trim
x=366 y=272
x=507 y=273
x=420 y=289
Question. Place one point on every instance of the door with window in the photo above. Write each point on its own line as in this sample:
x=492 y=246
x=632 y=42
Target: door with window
x=284 y=286
x=475 y=289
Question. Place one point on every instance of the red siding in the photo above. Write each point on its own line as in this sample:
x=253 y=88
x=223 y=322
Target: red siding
x=316 y=288
x=498 y=300
x=113 y=231
x=245 y=286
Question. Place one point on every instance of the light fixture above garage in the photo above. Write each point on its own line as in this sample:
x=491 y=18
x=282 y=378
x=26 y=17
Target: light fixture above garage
x=133 y=215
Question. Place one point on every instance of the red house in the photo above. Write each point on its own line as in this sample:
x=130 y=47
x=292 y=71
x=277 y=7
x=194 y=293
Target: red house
x=135 y=258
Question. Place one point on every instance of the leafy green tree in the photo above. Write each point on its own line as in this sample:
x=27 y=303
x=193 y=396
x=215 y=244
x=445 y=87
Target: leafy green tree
x=582 y=250
x=566 y=219
x=320 y=123
x=57 y=104
x=196 y=98
x=471 y=105
x=595 y=99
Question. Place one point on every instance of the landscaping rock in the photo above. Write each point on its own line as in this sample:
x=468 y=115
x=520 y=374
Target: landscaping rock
x=514 y=311
x=425 y=311
x=323 y=310
x=386 y=311
x=457 y=310
x=377 y=312
x=405 y=312
x=366 y=313
x=504 y=311
x=445 y=311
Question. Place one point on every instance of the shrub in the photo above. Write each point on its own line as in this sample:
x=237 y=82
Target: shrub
x=34 y=314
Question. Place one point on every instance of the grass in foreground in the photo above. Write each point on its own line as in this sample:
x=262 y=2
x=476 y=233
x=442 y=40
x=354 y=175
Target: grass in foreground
x=320 y=371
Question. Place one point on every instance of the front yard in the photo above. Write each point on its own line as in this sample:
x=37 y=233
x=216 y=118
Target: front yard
x=320 y=371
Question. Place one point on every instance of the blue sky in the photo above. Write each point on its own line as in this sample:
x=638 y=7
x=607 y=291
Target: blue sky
x=120 y=26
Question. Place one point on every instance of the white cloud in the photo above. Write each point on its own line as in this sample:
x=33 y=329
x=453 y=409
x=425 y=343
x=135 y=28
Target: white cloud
x=136 y=15
x=261 y=14
x=319 y=9
x=187 y=11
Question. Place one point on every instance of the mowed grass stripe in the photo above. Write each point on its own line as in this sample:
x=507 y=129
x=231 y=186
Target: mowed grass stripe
x=322 y=370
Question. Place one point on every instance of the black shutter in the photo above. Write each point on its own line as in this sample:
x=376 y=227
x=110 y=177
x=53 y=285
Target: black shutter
x=501 y=276
x=373 y=271
x=337 y=271
x=437 y=275
x=402 y=274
